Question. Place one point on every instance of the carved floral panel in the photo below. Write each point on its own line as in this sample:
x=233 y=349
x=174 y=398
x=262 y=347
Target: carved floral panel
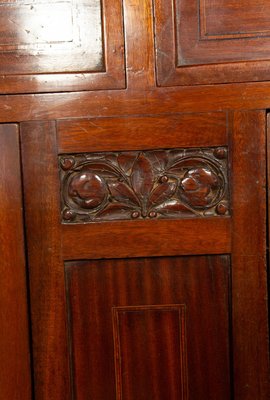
x=174 y=183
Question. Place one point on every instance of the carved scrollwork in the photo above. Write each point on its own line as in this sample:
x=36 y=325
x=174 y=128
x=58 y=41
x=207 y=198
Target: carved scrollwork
x=144 y=184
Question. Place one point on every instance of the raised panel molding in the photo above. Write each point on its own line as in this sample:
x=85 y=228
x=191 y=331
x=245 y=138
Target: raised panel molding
x=57 y=45
x=160 y=331
x=148 y=184
x=210 y=41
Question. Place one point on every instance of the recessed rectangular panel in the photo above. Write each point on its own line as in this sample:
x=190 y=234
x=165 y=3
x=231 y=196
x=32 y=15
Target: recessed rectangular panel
x=150 y=328
x=150 y=340
x=235 y=18
x=52 y=29
x=231 y=23
x=33 y=23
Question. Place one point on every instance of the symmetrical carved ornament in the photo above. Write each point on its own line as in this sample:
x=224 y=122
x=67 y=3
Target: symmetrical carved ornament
x=144 y=184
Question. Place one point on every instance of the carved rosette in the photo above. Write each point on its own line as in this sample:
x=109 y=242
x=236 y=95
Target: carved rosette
x=144 y=184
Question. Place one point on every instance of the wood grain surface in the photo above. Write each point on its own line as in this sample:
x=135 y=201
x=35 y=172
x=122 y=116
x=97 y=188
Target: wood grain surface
x=47 y=291
x=148 y=327
x=15 y=375
x=249 y=299
x=136 y=96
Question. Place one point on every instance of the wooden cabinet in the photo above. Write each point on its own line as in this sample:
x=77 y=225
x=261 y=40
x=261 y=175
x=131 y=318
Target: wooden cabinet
x=144 y=195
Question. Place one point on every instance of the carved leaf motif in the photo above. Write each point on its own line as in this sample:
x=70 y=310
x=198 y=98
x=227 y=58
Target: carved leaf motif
x=142 y=177
x=126 y=161
x=163 y=192
x=121 y=192
x=159 y=159
x=103 y=168
x=174 y=206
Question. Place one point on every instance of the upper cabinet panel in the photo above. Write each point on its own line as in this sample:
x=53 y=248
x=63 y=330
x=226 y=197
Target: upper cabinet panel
x=61 y=45
x=212 y=41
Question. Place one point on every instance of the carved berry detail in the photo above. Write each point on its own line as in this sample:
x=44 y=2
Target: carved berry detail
x=87 y=189
x=220 y=153
x=222 y=208
x=147 y=184
x=68 y=215
x=67 y=163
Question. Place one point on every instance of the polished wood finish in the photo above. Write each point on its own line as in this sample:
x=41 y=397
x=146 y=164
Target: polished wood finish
x=148 y=101
x=50 y=354
x=150 y=328
x=202 y=42
x=249 y=302
x=131 y=278
x=142 y=132
x=125 y=240
x=15 y=376
x=61 y=46
x=210 y=236
x=231 y=19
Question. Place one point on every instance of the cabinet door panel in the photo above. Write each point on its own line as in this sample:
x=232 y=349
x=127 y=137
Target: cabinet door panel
x=63 y=46
x=211 y=41
x=136 y=303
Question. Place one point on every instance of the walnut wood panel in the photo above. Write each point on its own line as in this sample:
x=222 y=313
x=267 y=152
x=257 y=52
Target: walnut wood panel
x=61 y=46
x=160 y=237
x=161 y=356
x=142 y=132
x=250 y=334
x=47 y=288
x=188 y=54
x=15 y=376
